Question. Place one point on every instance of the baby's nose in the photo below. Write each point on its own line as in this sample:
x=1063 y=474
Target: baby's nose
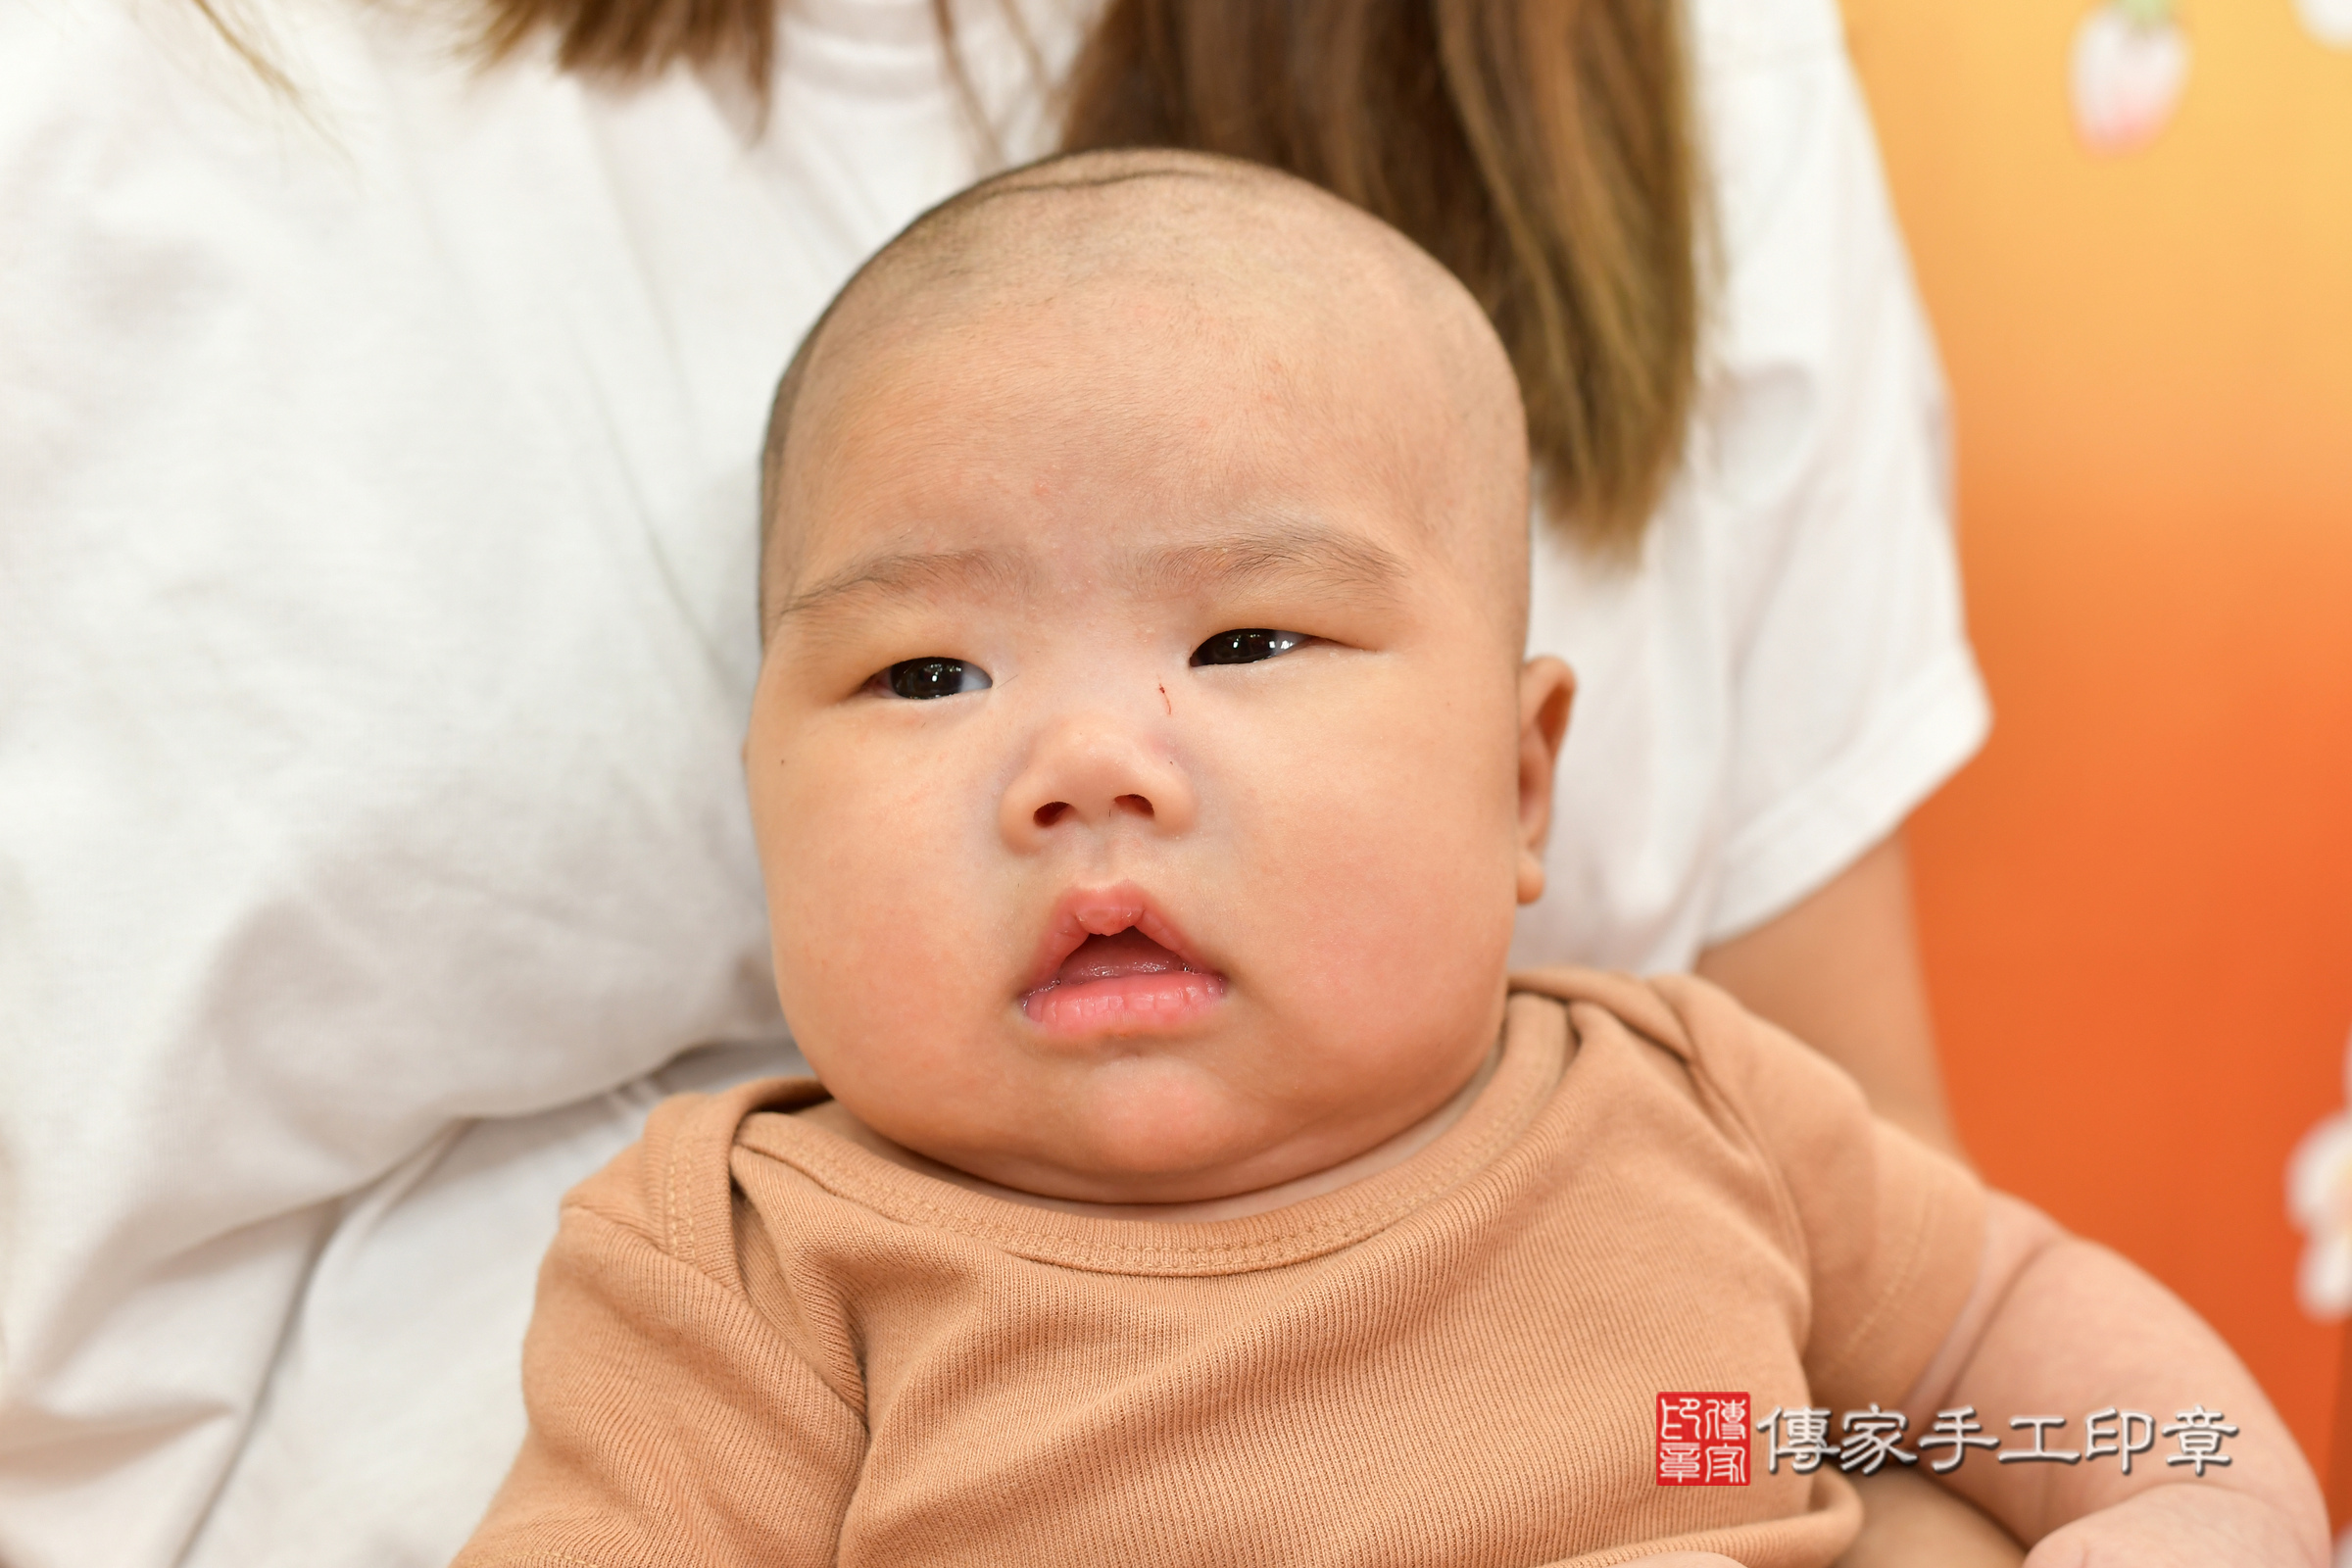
x=1091 y=772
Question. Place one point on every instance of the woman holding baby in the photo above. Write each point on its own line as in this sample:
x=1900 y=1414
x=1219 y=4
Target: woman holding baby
x=380 y=455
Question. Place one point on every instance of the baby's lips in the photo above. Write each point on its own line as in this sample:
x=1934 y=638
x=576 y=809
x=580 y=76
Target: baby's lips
x=1083 y=912
x=1124 y=1005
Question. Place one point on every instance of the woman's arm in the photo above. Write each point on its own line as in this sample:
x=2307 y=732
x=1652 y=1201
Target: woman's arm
x=1840 y=971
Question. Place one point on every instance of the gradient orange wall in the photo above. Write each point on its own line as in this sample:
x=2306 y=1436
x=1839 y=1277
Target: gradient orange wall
x=2137 y=902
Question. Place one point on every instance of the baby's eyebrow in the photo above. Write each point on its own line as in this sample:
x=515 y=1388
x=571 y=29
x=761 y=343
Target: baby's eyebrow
x=1314 y=555
x=929 y=574
x=1310 y=554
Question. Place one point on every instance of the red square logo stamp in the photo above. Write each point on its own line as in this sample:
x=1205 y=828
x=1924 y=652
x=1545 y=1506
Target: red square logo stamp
x=1702 y=1440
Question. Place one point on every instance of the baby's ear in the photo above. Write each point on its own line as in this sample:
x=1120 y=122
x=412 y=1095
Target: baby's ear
x=1546 y=689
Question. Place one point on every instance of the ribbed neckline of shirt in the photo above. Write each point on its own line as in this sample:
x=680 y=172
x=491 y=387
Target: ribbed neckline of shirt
x=1534 y=1056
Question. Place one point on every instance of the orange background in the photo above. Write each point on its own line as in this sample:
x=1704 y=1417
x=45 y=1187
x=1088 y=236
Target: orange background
x=2137 y=903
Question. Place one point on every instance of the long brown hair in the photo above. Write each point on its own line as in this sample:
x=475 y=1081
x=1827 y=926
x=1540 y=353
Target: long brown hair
x=1538 y=148
x=1541 y=149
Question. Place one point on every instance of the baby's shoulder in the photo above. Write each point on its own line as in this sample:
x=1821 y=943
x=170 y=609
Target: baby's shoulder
x=1716 y=1047
x=675 y=1187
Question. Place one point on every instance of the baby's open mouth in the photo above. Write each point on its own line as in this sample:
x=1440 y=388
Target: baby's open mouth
x=1115 y=976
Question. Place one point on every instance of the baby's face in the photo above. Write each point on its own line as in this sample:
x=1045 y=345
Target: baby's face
x=1144 y=770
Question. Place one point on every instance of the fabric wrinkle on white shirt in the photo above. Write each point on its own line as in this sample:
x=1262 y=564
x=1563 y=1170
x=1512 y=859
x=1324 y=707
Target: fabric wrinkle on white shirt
x=376 y=502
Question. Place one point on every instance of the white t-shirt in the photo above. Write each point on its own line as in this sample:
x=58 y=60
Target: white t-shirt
x=376 y=486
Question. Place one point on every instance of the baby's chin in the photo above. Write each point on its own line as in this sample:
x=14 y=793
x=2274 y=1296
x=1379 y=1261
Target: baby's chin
x=1152 y=1129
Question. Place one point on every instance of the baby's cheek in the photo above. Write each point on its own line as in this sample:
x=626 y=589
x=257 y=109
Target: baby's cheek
x=866 y=862
x=1399 y=871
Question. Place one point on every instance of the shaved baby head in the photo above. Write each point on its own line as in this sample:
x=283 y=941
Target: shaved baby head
x=1310 y=293
x=1148 y=536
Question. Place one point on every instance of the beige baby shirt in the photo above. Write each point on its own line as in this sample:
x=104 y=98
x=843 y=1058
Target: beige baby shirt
x=758 y=1344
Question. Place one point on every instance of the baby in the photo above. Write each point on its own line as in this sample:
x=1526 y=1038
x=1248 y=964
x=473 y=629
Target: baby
x=1145 y=773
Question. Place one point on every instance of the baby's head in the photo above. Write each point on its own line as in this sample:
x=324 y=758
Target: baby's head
x=1143 y=766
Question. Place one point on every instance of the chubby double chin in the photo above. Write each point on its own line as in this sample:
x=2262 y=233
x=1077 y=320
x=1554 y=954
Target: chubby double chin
x=1112 y=964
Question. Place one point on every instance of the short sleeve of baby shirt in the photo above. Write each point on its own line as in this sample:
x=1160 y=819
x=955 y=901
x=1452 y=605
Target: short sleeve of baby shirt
x=1890 y=1231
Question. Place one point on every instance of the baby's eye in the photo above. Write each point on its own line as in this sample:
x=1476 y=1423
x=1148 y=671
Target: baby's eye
x=922 y=678
x=1247 y=646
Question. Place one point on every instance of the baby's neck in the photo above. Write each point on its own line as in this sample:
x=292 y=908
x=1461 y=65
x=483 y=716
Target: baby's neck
x=835 y=1117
